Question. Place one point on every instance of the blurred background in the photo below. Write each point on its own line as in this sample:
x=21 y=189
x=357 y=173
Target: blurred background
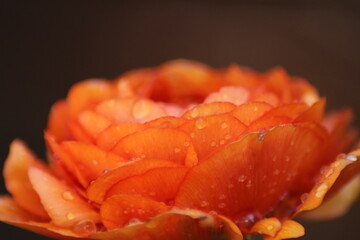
x=47 y=46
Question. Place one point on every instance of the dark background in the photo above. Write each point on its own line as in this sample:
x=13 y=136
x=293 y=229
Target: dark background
x=46 y=46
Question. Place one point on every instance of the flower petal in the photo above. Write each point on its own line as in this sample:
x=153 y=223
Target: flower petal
x=247 y=113
x=58 y=118
x=208 y=109
x=92 y=122
x=99 y=188
x=289 y=229
x=64 y=206
x=120 y=210
x=13 y=214
x=276 y=157
x=88 y=93
x=231 y=94
x=155 y=143
x=16 y=167
x=212 y=133
x=160 y=184
x=108 y=138
x=267 y=226
x=314 y=113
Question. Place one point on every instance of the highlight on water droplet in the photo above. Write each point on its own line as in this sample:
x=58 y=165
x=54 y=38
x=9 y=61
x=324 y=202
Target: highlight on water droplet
x=70 y=216
x=222 y=196
x=321 y=190
x=85 y=227
x=204 y=203
x=67 y=195
x=200 y=123
x=133 y=221
x=221 y=205
x=351 y=157
x=186 y=144
x=224 y=125
x=177 y=150
x=241 y=178
x=194 y=113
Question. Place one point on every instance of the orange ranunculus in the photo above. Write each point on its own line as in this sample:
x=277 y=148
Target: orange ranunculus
x=183 y=151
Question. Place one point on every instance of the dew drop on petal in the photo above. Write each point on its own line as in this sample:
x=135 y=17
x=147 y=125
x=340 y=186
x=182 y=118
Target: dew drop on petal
x=221 y=205
x=276 y=172
x=304 y=197
x=67 y=195
x=224 y=125
x=177 y=150
x=134 y=221
x=70 y=216
x=351 y=157
x=200 y=123
x=270 y=227
x=227 y=136
x=321 y=190
x=192 y=135
x=85 y=227
x=329 y=172
x=241 y=178
x=230 y=185
x=106 y=170
x=213 y=213
x=213 y=144
x=248 y=183
x=95 y=162
x=222 y=196
x=194 y=113
x=204 y=204
x=186 y=144
x=222 y=142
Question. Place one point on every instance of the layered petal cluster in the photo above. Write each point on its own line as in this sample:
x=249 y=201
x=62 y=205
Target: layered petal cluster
x=184 y=151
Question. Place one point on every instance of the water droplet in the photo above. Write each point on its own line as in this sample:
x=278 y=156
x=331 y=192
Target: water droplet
x=213 y=213
x=204 y=204
x=230 y=185
x=222 y=142
x=134 y=221
x=329 y=172
x=248 y=183
x=292 y=143
x=106 y=170
x=213 y=144
x=141 y=211
x=141 y=109
x=67 y=195
x=221 y=205
x=126 y=211
x=270 y=227
x=133 y=158
x=262 y=134
x=192 y=135
x=194 y=113
x=200 y=123
x=351 y=157
x=95 y=162
x=85 y=227
x=186 y=144
x=304 y=197
x=227 y=136
x=177 y=150
x=276 y=172
x=143 y=156
x=224 y=125
x=241 y=178
x=274 y=158
x=321 y=190
x=70 y=216
x=222 y=196
x=255 y=108
x=287 y=158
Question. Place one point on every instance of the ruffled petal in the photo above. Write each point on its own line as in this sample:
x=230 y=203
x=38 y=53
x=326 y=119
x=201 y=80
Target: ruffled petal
x=64 y=206
x=208 y=109
x=16 y=168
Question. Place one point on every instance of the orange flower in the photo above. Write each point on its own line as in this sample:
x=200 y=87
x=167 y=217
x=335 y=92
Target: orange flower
x=183 y=151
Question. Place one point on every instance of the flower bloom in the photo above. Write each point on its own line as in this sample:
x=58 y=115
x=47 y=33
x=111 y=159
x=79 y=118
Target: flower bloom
x=183 y=151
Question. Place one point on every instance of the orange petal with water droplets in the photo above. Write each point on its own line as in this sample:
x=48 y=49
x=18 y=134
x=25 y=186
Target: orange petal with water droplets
x=329 y=175
x=64 y=206
x=117 y=110
x=269 y=98
x=92 y=161
x=88 y=93
x=62 y=158
x=208 y=109
x=211 y=133
x=314 y=113
x=92 y=122
x=120 y=210
x=275 y=158
x=160 y=184
x=108 y=138
x=247 y=113
x=157 y=143
x=79 y=133
x=16 y=167
x=13 y=214
x=98 y=189
x=289 y=229
x=58 y=118
x=267 y=226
